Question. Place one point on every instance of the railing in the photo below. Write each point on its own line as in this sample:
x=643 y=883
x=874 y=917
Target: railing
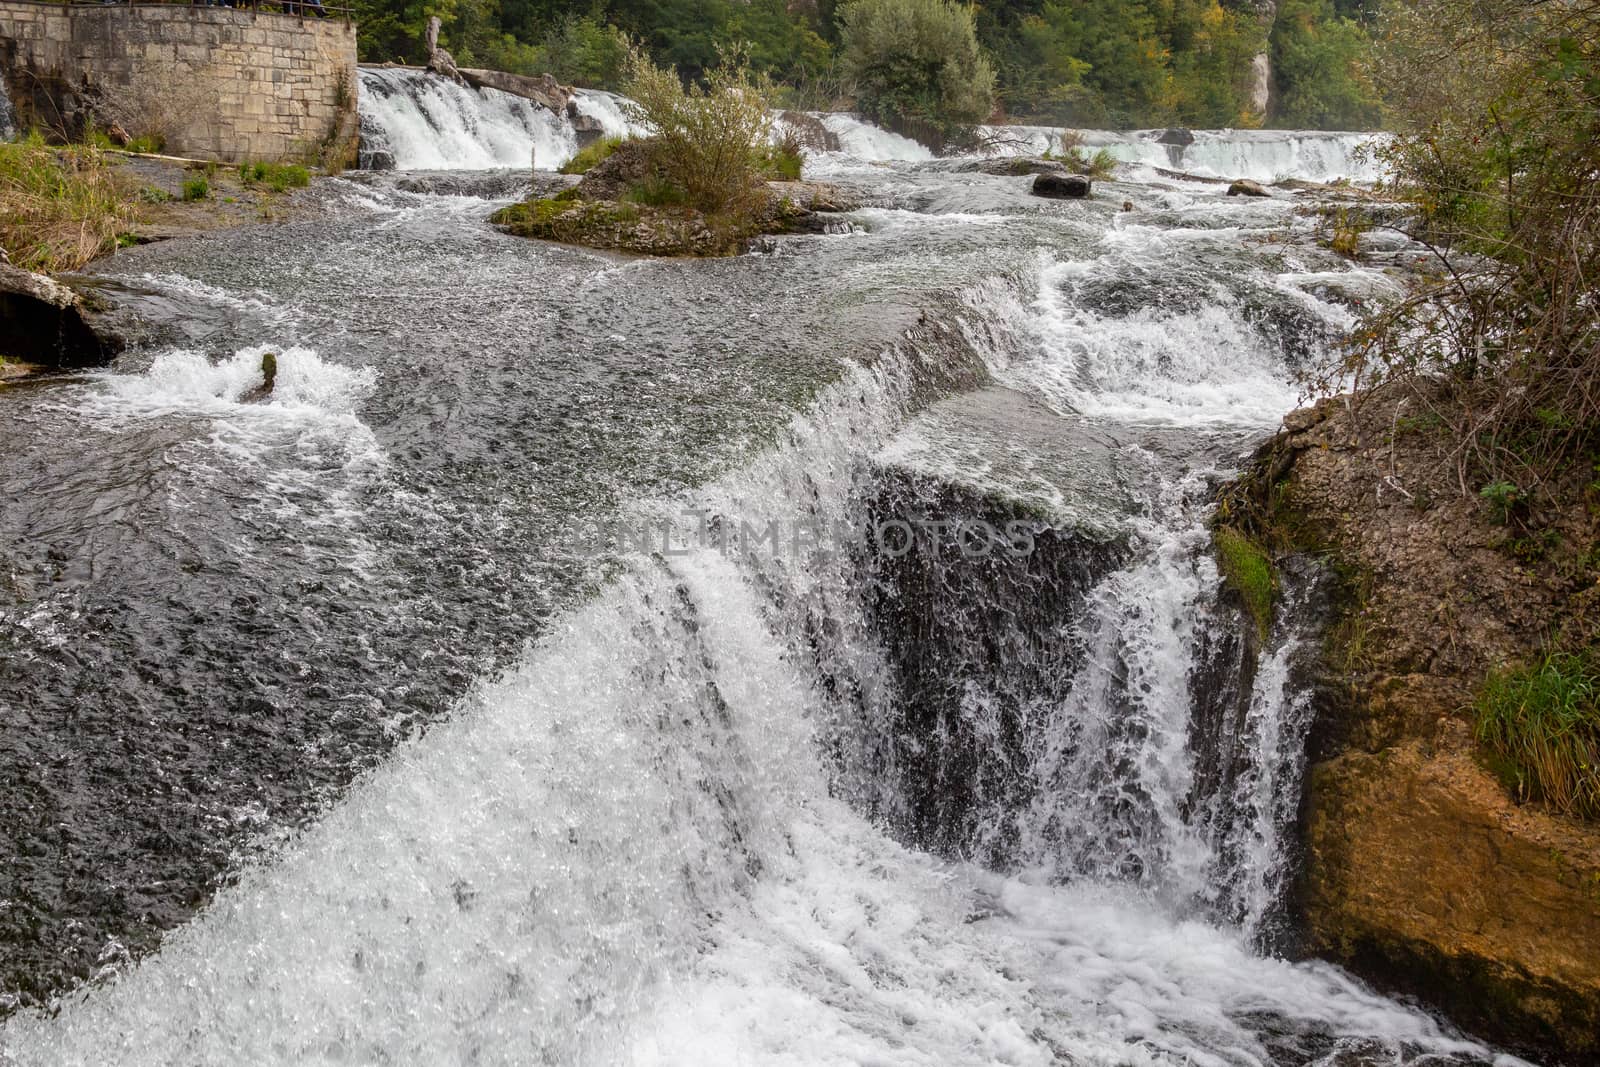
x=302 y=9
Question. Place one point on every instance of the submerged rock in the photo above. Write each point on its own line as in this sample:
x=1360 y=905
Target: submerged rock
x=1246 y=187
x=269 y=378
x=1061 y=186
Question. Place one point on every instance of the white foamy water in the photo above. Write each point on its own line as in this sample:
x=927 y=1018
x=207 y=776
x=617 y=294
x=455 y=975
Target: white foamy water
x=1262 y=155
x=870 y=143
x=188 y=382
x=430 y=123
x=1192 y=353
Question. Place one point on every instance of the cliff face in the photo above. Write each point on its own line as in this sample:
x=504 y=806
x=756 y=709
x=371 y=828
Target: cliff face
x=1422 y=872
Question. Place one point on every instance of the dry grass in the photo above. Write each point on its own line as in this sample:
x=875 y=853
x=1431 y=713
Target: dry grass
x=59 y=207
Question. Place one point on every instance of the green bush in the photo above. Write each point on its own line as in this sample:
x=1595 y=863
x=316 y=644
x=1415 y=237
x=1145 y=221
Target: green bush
x=1493 y=105
x=916 y=64
x=1542 y=723
x=703 y=138
x=581 y=50
x=197 y=188
x=591 y=155
x=1319 y=61
x=781 y=162
x=1247 y=569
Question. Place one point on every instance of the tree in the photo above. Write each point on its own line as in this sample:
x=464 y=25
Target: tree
x=1496 y=105
x=1318 y=62
x=915 y=65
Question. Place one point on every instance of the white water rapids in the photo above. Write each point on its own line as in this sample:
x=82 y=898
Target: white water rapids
x=668 y=832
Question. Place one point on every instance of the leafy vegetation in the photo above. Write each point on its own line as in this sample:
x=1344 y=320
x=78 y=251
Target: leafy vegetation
x=1099 y=165
x=59 y=207
x=782 y=161
x=1542 y=723
x=704 y=140
x=1319 y=63
x=196 y=188
x=916 y=65
x=1497 y=109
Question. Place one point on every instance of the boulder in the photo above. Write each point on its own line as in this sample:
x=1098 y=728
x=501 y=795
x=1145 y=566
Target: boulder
x=42 y=321
x=1246 y=187
x=587 y=128
x=1061 y=186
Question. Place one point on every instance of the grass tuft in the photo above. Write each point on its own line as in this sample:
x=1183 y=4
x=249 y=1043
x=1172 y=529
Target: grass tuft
x=279 y=177
x=197 y=188
x=59 y=207
x=1541 y=726
x=591 y=156
x=1248 y=570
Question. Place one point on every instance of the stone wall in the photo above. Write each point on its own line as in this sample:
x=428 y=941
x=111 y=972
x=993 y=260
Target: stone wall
x=212 y=82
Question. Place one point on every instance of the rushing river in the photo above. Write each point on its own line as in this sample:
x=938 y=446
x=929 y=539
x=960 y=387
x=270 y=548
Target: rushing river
x=581 y=660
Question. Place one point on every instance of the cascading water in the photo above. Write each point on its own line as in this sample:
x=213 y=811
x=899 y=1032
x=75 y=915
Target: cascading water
x=555 y=668
x=421 y=121
x=1261 y=155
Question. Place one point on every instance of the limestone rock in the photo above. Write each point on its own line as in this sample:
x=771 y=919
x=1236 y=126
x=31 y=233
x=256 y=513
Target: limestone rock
x=613 y=176
x=1422 y=873
x=1061 y=186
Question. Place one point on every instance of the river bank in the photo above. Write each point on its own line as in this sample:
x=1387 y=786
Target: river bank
x=72 y=208
x=1428 y=868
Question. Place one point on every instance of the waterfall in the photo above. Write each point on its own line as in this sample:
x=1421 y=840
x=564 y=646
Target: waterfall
x=414 y=120
x=8 y=114
x=1261 y=155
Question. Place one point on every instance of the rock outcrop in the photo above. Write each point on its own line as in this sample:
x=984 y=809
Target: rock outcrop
x=43 y=322
x=1422 y=872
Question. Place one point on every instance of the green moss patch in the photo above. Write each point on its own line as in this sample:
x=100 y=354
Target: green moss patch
x=1247 y=569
